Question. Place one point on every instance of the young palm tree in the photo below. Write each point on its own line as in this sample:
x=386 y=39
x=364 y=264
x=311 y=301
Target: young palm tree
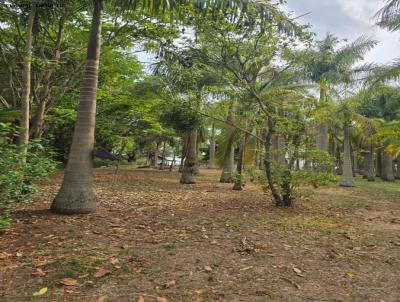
x=327 y=65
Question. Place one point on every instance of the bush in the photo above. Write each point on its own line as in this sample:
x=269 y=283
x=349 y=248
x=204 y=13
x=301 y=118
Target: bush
x=16 y=180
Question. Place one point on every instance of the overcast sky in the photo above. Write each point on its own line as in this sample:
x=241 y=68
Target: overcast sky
x=349 y=19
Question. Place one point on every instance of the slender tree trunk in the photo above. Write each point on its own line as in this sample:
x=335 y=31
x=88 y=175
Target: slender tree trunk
x=26 y=86
x=238 y=184
x=163 y=157
x=267 y=165
x=229 y=160
x=347 y=176
x=76 y=195
x=189 y=167
x=398 y=167
x=332 y=149
x=379 y=163
x=38 y=121
x=387 y=167
x=322 y=139
x=211 y=163
x=154 y=160
x=184 y=151
x=354 y=162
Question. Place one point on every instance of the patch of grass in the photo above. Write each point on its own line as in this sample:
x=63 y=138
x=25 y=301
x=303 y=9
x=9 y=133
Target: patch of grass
x=316 y=223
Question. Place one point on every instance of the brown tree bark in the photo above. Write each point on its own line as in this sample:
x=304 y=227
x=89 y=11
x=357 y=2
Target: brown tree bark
x=189 y=167
x=76 y=195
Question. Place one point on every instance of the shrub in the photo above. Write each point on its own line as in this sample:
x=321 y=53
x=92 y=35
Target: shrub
x=16 y=180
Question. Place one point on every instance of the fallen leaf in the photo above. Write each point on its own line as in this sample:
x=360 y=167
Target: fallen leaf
x=41 y=292
x=69 y=282
x=114 y=261
x=208 y=268
x=350 y=274
x=170 y=284
x=140 y=299
x=162 y=300
x=298 y=271
x=18 y=254
x=101 y=272
x=38 y=272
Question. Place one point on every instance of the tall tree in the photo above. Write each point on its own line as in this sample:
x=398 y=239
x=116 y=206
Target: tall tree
x=26 y=84
x=76 y=195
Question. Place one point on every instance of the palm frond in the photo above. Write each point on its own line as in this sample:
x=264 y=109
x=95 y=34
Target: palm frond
x=389 y=16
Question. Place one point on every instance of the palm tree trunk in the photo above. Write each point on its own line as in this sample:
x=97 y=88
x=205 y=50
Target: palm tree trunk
x=387 y=167
x=189 y=167
x=26 y=87
x=211 y=163
x=347 y=176
x=76 y=195
x=322 y=139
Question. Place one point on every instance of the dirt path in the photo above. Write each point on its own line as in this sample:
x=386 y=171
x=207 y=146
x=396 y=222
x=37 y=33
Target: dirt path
x=154 y=238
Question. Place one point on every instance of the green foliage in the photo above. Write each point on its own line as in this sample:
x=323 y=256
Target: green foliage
x=5 y=222
x=17 y=182
x=181 y=118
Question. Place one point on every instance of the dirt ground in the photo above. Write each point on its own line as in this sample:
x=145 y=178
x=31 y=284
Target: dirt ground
x=153 y=239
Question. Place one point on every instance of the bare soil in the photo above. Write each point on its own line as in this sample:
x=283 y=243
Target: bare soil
x=153 y=239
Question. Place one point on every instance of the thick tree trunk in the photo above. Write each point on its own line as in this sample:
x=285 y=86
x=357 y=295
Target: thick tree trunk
x=211 y=162
x=26 y=86
x=387 y=167
x=189 y=167
x=347 y=176
x=76 y=195
x=228 y=166
x=371 y=174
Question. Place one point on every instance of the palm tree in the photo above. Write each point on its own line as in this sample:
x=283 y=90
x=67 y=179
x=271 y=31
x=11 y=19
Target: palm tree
x=76 y=195
x=327 y=65
x=347 y=179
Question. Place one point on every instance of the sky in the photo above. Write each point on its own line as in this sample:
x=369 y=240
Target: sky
x=348 y=19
